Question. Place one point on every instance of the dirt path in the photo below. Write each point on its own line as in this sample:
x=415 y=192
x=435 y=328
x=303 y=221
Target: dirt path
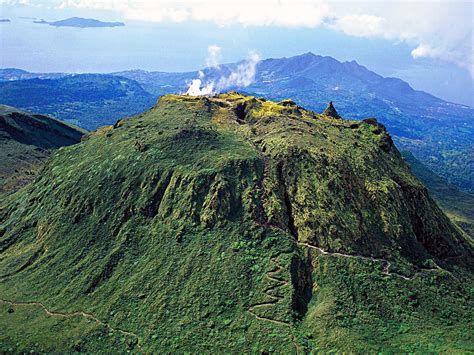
x=75 y=314
x=385 y=263
x=273 y=276
x=274 y=298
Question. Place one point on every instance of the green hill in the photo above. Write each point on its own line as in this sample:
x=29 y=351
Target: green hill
x=458 y=205
x=27 y=141
x=232 y=224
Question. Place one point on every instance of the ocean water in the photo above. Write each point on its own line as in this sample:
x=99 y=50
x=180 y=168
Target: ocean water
x=45 y=48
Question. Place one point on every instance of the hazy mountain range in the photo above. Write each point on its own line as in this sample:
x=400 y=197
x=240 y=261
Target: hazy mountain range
x=88 y=100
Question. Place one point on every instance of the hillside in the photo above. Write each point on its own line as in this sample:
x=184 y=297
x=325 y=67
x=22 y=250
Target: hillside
x=232 y=224
x=88 y=100
x=27 y=141
x=458 y=205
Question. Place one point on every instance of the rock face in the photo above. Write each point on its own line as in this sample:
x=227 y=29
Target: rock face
x=241 y=225
x=331 y=111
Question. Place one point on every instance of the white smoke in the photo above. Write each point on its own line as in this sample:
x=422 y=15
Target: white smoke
x=213 y=56
x=241 y=76
x=195 y=88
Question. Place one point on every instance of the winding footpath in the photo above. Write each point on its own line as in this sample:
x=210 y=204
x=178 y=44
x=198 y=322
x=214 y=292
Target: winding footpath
x=274 y=298
x=386 y=265
x=273 y=276
x=76 y=314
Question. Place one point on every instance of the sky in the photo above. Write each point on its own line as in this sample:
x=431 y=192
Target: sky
x=427 y=43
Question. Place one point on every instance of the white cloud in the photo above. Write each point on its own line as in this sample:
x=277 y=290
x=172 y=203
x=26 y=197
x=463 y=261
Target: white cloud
x=245 y=12
x=15 y=2
x=196 y=89
x=360 y=25
x=423 y=50
x=243 y=75
x=436 y=29
x=440 y=29
x=286 y=13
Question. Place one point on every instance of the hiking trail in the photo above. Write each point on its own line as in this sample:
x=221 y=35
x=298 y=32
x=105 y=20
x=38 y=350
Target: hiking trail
x=75 y=314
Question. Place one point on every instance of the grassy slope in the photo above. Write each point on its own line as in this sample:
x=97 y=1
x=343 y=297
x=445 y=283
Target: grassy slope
x=458 y=205
x=173 y=225
x=26 y=142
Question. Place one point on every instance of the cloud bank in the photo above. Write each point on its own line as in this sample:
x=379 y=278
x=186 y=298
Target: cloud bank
x=436 y=29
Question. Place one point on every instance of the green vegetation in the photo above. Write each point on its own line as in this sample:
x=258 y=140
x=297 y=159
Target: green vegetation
x=26 y=142
x=458 y=205
x=196 y=227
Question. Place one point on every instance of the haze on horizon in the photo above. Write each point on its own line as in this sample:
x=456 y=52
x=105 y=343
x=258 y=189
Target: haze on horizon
x=428 y=44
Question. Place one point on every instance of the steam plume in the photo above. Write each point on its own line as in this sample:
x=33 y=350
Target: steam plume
x=241 y=76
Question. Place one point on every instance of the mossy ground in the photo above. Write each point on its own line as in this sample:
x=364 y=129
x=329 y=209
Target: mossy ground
x=168 y=225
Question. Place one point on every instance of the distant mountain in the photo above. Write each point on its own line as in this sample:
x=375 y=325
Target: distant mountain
x=10 y=74
x=158 y=83
x=4 y=20
x=232 y=224
x=81 y=23
x=41 y=22
x=26 y=141
x=88 y=100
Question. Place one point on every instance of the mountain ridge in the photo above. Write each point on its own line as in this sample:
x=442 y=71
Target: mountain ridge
x=8 y=73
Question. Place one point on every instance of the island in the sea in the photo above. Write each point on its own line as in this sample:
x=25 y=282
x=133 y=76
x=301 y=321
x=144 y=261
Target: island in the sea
x=81 y=22
x=4 y=20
